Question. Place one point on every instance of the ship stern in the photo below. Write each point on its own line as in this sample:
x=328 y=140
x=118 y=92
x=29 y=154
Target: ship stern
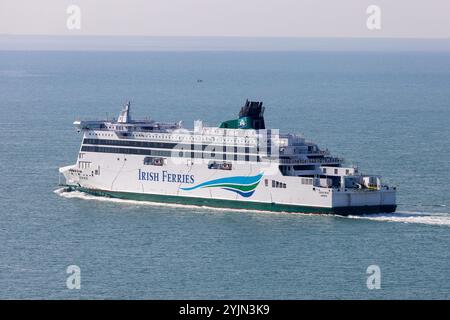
x=362 y=202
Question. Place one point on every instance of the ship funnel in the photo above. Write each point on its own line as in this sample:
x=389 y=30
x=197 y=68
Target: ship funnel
x=252 y=115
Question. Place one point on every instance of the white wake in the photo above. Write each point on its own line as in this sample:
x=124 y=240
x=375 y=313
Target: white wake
x=440 y=219
x=85 y=196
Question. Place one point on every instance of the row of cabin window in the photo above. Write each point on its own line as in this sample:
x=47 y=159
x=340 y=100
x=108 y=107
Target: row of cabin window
x=164 y=153
x=84 y=164
x=275 y=184
x=163 y=145
x=101 y=134
x=347 y=171
x=179 y=138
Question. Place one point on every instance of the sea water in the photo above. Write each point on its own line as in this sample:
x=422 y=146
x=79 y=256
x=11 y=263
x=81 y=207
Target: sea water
x=387 y=112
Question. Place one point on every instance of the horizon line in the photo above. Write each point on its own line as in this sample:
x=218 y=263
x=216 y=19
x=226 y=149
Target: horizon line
x=130 y=43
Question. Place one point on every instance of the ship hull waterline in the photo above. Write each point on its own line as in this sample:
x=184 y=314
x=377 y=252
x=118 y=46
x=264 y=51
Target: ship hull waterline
x=236 y=204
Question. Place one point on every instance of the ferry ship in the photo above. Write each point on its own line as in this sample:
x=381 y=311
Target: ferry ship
x=239 y=165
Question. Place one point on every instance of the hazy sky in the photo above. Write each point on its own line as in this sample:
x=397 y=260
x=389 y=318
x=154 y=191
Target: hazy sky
x=247 y=18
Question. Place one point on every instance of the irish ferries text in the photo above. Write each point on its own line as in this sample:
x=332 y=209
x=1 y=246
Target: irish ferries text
x=165 y=176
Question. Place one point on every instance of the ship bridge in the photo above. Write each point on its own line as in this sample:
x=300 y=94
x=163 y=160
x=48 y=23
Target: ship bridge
x=125 y=124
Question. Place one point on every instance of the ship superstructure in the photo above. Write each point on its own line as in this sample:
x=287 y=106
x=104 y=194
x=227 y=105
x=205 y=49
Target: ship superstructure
x=238 y=164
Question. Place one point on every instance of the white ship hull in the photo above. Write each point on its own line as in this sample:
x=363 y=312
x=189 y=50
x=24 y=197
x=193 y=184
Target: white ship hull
x=122 y=176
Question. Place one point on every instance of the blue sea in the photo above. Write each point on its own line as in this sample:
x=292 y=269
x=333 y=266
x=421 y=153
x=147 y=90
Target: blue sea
x=387 y=112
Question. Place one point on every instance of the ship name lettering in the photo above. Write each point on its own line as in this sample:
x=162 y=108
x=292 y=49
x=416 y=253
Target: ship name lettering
x=165 y=176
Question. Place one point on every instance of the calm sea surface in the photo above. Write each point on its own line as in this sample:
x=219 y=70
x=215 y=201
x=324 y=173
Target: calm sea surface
x=389 y=113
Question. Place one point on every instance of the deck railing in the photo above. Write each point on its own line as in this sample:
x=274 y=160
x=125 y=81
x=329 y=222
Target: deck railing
x=321 y=160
